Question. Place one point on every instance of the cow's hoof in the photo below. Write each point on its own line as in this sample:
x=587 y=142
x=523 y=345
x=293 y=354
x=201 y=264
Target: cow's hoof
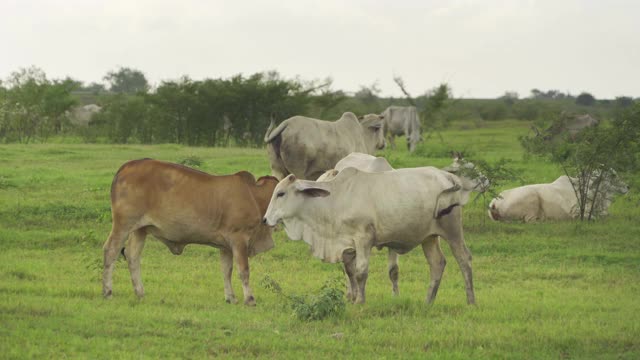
x=250 y=301
x=231 y=300
x=107 y=294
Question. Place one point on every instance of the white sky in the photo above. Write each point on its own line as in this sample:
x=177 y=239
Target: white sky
x=481 y=48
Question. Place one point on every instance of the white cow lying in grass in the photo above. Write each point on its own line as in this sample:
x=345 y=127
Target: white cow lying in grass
x=554 y=201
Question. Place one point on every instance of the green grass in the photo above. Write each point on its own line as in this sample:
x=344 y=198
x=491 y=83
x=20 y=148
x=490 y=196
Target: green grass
x=548 y=290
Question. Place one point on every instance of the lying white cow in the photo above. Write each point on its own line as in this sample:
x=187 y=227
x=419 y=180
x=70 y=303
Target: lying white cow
x=554 y=201
x=343 y=219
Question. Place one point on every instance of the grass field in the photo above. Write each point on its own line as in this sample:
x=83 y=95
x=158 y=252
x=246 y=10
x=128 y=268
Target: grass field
x=547 y=290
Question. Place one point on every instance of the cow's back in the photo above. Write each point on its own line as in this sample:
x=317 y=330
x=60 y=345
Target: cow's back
x=311 y=146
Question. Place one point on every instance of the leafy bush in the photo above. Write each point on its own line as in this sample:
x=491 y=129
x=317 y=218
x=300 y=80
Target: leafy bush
x=191 y=161
x=327 y=302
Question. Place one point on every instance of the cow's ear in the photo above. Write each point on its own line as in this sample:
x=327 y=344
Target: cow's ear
x=312 y=188
x=381 y=117
x=315 y=192
x=361 y=117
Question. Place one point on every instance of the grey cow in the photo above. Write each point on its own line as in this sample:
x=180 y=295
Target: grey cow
x=308 y=147
x=402 y=120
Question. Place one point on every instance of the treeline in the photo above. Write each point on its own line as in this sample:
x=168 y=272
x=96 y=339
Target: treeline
x=236 y=110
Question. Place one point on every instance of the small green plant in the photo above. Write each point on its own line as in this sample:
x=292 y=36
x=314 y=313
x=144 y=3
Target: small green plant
x=192 y=161
x=328 y=302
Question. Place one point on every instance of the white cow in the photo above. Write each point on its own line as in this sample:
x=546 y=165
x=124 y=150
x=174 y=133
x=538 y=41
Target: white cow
x=554 y=201
x=369 y=163
x=402 y=120
x=308 y=147
x=343 y=219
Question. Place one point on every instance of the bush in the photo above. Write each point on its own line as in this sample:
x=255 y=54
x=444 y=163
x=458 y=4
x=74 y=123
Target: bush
x=327 y=302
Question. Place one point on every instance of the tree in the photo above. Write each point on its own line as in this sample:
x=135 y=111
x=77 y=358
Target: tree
x=585 y=99
x=368 y=94
x=509 y=97
x=127 y=80
x=36 y=105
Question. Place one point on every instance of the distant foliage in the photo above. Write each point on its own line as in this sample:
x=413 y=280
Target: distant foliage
x=33 y=106
x=585 y=99
x=126 y=80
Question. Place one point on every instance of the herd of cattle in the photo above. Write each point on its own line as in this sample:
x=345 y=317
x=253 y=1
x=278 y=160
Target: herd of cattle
x=327 y=189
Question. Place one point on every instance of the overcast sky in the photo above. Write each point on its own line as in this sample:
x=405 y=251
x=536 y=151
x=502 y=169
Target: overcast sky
x=481 y=48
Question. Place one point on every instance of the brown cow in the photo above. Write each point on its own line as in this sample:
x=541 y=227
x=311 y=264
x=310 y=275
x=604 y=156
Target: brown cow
x=180 y=206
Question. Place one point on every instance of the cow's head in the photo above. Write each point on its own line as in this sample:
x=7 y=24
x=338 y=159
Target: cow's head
x=613 y=183
x=373 y=126
x=472 y=179
x=288 y=197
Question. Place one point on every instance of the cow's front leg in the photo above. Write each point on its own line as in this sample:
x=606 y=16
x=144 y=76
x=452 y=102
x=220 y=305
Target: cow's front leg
x=393 y=271
x=226 y=265
x=349 y=263
x=241 y=255
x=362 y=271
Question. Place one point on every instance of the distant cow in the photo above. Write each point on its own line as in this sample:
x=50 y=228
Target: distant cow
x=180 y=206
x=554 y=201
x=343 y=219
x=567 y=124
x=402 y=120
x=82 y=115
x=308 y=147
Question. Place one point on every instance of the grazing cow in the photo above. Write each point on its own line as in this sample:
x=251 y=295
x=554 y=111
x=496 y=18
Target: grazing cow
x=343 y=219
x=554 y=201
x=567 y=124
x=308 y=147
x=180 y=206
x=472 y=179
x=402 y=120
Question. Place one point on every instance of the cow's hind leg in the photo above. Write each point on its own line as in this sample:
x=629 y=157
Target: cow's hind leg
x=349 y=263
x=133 y=253
x=226 y=264
x=112 y=248
x=393 y=271
x=437 y=263
x=239 y=243
x=459 y=249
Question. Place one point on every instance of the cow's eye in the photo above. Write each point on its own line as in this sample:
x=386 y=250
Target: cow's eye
x=280 y=194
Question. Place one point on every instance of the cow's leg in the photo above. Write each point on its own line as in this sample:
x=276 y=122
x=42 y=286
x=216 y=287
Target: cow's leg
x=226 y=264
x=437 y=263
x=393 y=271
x=453 y=230
x=133 y=253
x=392 y=141
x=239 y=245
x=112 y=248
x=348 y=261
x=361 y=269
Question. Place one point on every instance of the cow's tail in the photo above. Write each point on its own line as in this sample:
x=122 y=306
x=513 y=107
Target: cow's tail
x=272 y=133
x=494 y=214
